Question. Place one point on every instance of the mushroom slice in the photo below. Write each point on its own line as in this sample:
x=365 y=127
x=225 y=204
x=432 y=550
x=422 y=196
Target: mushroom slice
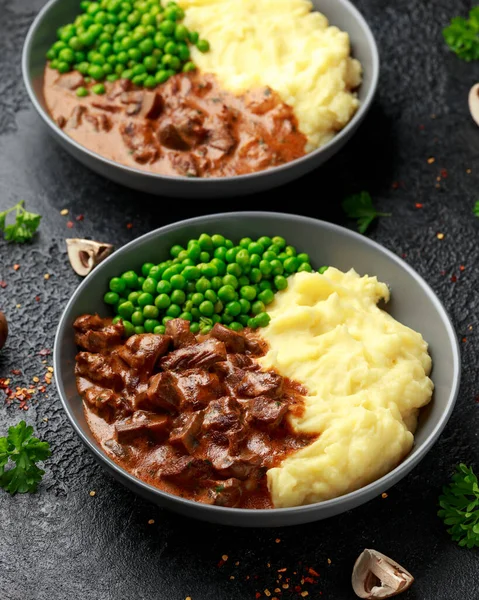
x=85 y=255
x=377 y=576
x=474 y=102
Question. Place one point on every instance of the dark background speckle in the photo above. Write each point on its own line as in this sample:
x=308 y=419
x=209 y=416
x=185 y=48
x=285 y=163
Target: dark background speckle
x=61 y=542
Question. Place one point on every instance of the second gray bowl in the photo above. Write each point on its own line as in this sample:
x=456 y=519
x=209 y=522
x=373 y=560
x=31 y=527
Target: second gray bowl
x=339 y=12
x=413 y=303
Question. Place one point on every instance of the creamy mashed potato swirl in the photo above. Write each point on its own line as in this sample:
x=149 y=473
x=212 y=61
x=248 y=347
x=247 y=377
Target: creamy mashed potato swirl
x=367 y=377
x=282 y=44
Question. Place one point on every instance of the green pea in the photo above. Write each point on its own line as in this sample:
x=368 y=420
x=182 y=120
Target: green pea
x=155 y=273
x=265 y=268
x=303 y=258
x=195 y=311
x=134 y=54
x=205 y=256
x=323 y=269
x=188 y=305
x=234 y=269
x=83 y=69
x=305 y=267
x=173 y=311
x=253 y=323
x=243 y=319
x=227 y=293
x=194 y=251
x=211 y=296
x=220 y=252
x=233 y=308
x=159 y=330
x=282 y=256
x=248 y=292
x=144 y=299
x=169 y=272
x=178 y=282
x=167 y=27
x=126 y=309
x=181 y=33
x=202 y=285
x=193 y=36
x=219 y=306
x=139 y=330
x=138 y=70
x=171 y=48
x=131 y=279
x=279 y=241
x=66 y=55
x=290 y=250
x=254 y=260
x=63 y=67
x=277 y=267
x=175 y=250
x=197 y=299
x=235 y=326
x=141 y=281
x=257 y=307
x=216 y=283
x=112 y=77
x=207 y=308
x=127 y=74
x=243 y=280
x=245 y=306
x=291 y=264
x=195 y=328
x=187 y=261
x=162 y=301
x=178 y=296
x=122 y=57
x=280 y=282
x=150 y=311
x=266 y=296
x=269 y=256
x=116 y=319
x=209 y=270
x=263 y=319
x=205 y=242
x=81 y=92
x=145 y=269
x=265 y=285
x=245 y=242
x=203 y=45
x=111 y=298
x=137 y=318
x=255 y=248
x=133 y=297
x=230 y=280
x=220 y=265
x=227 y=319
x=190 y=287
x=129 y=329
x=230 y=255
x=117 y=285
x=191 y=273
x=163 y=287
x=149 y=285
x=165 y=319
x=160 y=40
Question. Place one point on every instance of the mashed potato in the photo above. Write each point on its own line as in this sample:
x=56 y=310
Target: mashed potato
x=367 y=376
x=283 y=45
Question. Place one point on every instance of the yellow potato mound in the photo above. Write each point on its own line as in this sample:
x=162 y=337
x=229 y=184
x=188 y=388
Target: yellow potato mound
x=367 y=376
x=284 y=45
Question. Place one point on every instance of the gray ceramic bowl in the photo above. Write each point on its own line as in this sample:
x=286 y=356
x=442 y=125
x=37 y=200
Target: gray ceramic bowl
x=413 y=303
x=340 y=12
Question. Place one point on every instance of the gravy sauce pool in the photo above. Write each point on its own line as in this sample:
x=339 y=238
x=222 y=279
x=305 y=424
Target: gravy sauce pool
x=188 y=126
x=194 y=416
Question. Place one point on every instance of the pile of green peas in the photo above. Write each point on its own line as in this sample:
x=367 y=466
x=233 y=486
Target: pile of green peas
x=209 y=281
x=137 y=40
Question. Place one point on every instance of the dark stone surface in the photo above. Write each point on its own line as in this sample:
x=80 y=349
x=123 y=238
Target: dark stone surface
x=61 y=543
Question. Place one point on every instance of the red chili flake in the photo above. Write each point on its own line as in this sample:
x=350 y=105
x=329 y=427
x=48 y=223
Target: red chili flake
x=313 y=572
x=297 y=588
x=419 y=205
x=45 y=352
x=395 y=185
x=309 y=580
x=464 y=340
x=15 y=372
x=444 y=173
x=80 y=218
x=37 y=298
x=476 y=399
x=422 y=127
x=403 y=255
x=70 y=224
x=282 y=570
x=16 y=267
x=3 y=284
x=442 y=273
x=257 y=595
x=462 y=268
x=221 y=563
x=129 y=225
x=453 y=279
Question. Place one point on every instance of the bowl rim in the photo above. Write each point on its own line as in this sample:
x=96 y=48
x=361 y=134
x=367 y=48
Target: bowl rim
x=360 y=495
x=336 y=140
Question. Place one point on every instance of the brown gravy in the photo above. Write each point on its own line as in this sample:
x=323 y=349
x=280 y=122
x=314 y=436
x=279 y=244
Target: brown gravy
x=188 y=126
x=194 y=416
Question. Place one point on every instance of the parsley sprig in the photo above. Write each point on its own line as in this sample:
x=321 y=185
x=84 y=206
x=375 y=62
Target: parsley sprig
x=462 y=36
x=460 y=507
x=24 y=227
x=475 y=210
x=361 y=207
x=23 y=451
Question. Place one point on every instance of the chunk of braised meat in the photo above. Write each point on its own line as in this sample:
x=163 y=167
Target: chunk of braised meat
x=71 y=81
x=220 y=132
x=228 y=492
x=260 y=100
x=142 y=351
x=152 y=105
x=76 y=117
x=198 y=388
x=233 y=341
x=99 y=369
x=99 y=122
x=226 y=465
x=184 y=436
x=223 y=415
x=204 y=354
x=118 y=87
x=250 y=384
x=184 y=128
x=96 y=340
x=179 y=331
x=163 y=393
x=186 y=471
x=140 y=140
x=142 y=423
x=266 y=412
x=107 y=403
x=86 y=322
x=242 y=361
x=117 y=449
x=184 y=163
x=255 y=346
x=106 y=106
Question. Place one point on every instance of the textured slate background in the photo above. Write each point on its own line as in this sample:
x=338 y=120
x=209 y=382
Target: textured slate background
x=61 y=542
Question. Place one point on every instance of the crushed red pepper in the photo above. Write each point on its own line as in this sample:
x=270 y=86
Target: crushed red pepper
x=70 y=224
x=3 y=284
x=80 y=218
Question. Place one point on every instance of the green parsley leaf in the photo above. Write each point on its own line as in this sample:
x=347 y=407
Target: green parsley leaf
x=23 y=450
x=361 y=207
x=462 y=36
x=475 y=210
x=219 y=488
x=459 y=505
x=24 y=227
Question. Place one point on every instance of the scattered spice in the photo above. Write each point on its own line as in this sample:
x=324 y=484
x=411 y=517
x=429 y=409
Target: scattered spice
x=257 y=595
x=431 y=160
x=440 y=236
x=468 y=171
x=15 y=372
x=46 y=276
x=64 y=212
x=129 y=225
x=464 y=340
x=267 y=592
x=79 y=217
x=3 y=284
x=151 y=522
x=453 y=279
x=188 y=598
x=70 y=224
x=462 y=268
x=419 y=205
x=444 y=173
x=329 y=561
x=37 y=298
x=277 y=540
x=224 y=557
x=313 y=572
x=19 y=306
x=92 y=493
x=36 y=379
x=384 y=495
x=304 y=594
x=45 y=352
x=16 y=267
